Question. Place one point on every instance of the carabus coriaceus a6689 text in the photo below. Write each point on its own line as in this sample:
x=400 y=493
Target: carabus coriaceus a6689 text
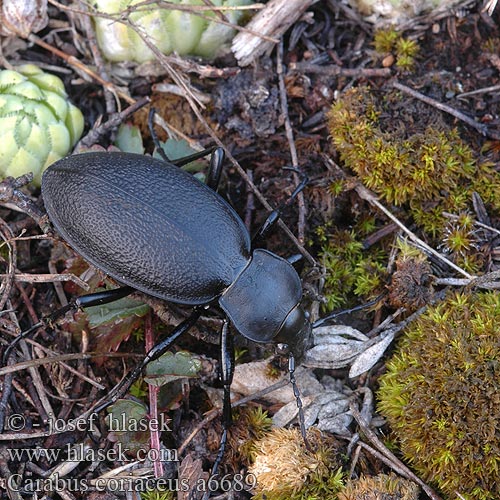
x=155 y=228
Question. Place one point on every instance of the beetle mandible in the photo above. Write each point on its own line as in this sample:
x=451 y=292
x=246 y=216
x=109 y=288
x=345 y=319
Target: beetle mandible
x=157 y=229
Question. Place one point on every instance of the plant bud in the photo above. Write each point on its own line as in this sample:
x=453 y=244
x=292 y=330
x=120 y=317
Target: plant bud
x=22 y=17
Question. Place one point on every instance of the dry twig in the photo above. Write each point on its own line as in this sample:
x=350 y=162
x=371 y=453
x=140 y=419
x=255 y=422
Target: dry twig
x=291 y=142
x=383 y=453
x=481 y=128
x=273 y=21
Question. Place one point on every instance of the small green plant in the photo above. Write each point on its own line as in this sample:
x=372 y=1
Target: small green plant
x=350 y=270
x=385 y=40
x=37 y=122
x=158 y=495
x=440 y=395
x=461 y=243
x=404 y=50
x=409 y=157
x=169 y=30
x=250 y=424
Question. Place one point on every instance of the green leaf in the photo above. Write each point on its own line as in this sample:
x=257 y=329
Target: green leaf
x=128 y=425
x=176 y=149
x=170 y=367
x=129 y=139
x=120 y=309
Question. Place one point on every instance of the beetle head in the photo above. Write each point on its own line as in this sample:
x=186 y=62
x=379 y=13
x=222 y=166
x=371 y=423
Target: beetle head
x=295 y=333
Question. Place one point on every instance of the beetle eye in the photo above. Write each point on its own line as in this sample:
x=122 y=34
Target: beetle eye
x=282 y=349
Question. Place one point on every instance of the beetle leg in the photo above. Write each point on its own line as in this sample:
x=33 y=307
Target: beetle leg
x=294 y=258
x=227 y=372
x=104 y=297
x=275 y=215
x=216 y=160
x=195 y=156
x=156 y=141
x=296 y=393
x=91 y=299
x=215 y=169
x=159 y=349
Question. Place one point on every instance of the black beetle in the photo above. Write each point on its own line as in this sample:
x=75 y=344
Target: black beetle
x=157 y=229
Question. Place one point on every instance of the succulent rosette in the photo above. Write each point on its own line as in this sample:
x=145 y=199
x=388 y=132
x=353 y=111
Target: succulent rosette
x=168 y=30
x=38 y=125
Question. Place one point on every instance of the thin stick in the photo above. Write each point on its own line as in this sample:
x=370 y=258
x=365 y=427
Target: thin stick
x=394 y=461
x=34 y=373
x=60 y=357
x=334 y=70
x=153 y=398
x=365 y=194
x=481 y=128
x=476 y=223
x=484 y=90
x=291 y=142
x=47 y=278
x=6 y=286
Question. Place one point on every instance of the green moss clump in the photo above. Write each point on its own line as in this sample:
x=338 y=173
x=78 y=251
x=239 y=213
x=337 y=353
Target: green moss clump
x=385 y=40
x=407 y=155
x=350 y=271
x=157 y=495
x=461 y=243
x=249 y=425
x=441 y=396
x=389 y=41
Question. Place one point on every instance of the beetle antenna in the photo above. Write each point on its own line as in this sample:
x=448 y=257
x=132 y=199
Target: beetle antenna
x=329 y=317
x=303 y=183
x=296 y=393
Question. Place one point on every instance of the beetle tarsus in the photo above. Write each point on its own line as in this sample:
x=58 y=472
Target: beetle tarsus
x=296 y=393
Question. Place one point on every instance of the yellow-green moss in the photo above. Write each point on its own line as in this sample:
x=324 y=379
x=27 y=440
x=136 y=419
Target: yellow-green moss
x=249 y=425
x=441 y=395
x=350 y=270
x=404 y=50
x=461 y=243
x=405 y=153
x=385 y=40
